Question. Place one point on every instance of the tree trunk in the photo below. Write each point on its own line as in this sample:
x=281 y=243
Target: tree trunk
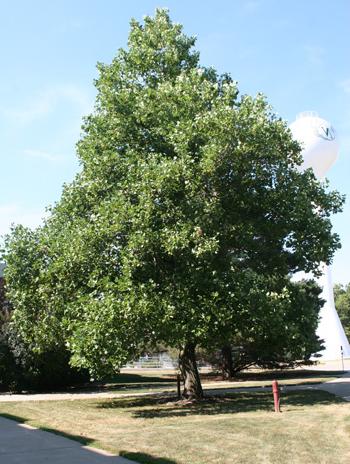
x=188 y=367
x=228 y=371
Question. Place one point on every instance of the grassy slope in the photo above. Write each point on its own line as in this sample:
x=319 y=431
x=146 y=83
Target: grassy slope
x=314 y=427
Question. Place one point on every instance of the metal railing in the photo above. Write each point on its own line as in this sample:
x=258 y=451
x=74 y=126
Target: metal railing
x=155 y=361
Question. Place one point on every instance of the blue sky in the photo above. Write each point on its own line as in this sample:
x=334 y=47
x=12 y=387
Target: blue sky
x=296 y=52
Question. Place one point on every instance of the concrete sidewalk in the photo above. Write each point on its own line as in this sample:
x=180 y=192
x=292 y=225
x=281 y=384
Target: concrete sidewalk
x=22 y=444
x=339 y=387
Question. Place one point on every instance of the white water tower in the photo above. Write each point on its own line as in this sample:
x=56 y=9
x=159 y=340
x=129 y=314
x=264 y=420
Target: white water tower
x=320 y=146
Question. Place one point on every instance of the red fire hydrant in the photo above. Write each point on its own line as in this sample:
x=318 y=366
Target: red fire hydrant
x=276 y=395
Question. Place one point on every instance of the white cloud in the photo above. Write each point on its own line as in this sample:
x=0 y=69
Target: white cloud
x=45 y=102
x=13 y=213
x=43 y=155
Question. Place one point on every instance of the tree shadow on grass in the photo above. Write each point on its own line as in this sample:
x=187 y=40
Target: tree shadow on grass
x=130 y=377
x=145 y=458
x=127 y=381
x=242 y=402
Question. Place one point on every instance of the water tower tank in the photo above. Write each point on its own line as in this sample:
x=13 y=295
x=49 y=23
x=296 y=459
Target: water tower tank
x=320 y=147
x=318 y=140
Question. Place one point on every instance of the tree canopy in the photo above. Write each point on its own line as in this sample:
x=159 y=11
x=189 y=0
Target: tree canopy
x=186 y=218
x=342 y=304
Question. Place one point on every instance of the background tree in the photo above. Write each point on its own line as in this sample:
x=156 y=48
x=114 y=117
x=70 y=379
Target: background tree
x=22 y=365
x=188 y=201
x=285 y=335
x=342 y=304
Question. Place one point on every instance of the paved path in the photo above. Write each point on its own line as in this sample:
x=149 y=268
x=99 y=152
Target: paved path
x=22 y=444
x=339 y=387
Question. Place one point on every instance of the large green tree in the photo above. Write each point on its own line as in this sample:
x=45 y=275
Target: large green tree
x=189 y=206
x=342 y=304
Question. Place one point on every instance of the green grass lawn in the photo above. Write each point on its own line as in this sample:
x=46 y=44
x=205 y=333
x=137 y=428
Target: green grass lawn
x=133 y=381
x=157 y=380
x=147 y=378
x=241 y=428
